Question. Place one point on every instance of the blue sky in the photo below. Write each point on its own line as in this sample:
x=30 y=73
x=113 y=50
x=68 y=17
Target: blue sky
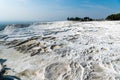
x=48 y=10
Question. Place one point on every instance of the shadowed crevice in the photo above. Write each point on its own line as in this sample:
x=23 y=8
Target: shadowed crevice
x=3 y=69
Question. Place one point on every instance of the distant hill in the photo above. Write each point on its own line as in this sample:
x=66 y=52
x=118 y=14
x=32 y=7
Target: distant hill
x=113 y=17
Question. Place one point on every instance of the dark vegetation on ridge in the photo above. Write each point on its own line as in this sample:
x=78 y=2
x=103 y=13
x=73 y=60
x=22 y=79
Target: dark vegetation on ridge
x=109 y=17
x=79 y=19
x=113 y=17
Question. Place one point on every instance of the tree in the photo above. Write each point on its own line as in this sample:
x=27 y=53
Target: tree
x=68 y=18
x=79 y=19
x=87 y=19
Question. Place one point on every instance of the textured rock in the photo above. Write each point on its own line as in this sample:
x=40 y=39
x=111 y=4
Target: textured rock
x=0 y=68
x=53 y=47
x=55 y=71
x=62 y=71
x=64 y=51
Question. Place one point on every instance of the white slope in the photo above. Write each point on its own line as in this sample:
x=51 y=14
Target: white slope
x=91 y=51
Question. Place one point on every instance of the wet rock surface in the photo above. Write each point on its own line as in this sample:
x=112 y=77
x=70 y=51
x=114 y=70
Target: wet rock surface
x=4 y=70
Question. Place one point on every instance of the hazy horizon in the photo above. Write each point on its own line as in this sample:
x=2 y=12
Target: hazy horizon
x=51 y=10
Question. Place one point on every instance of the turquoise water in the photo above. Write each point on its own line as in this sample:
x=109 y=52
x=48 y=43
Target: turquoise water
x=2 y=26
x=5 y=34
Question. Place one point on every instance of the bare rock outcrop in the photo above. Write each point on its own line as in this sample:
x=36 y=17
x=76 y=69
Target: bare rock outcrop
x=62 y=71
